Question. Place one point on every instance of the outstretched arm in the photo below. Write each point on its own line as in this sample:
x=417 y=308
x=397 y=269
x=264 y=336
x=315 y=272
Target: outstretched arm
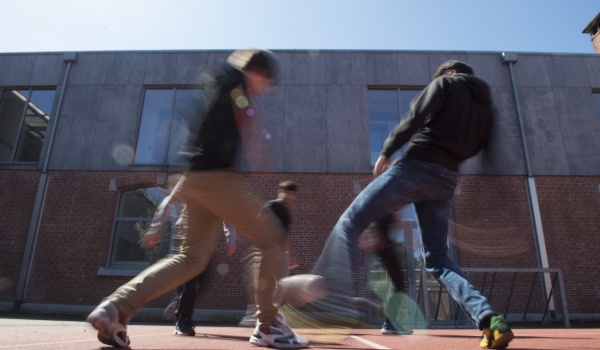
x=157 y=227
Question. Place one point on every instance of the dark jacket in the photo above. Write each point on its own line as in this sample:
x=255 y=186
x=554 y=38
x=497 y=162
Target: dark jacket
x=218 y=140
x=449 y=122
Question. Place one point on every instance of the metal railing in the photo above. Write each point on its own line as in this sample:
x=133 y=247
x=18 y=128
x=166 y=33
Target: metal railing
x=521 y=295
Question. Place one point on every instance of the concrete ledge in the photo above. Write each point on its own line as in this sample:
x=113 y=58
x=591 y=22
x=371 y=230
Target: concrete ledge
x=144 y=314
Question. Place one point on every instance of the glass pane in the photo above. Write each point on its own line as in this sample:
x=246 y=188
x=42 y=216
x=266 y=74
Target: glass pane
x=136 y=208
x=128 y=249
x=140 y=203
x=34 y=129
x=383 y=116
x=186 y=121
x=407 y=97
x=154 y=127
x=12 y=104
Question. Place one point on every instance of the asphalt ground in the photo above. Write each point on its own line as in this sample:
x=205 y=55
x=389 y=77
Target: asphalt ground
x=29 y=333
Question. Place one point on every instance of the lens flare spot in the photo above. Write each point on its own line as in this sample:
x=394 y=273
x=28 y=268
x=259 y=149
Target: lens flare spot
x=241 y=102
x=123 y=154
x=223 y=269
x=236 y=93
x=250 y=112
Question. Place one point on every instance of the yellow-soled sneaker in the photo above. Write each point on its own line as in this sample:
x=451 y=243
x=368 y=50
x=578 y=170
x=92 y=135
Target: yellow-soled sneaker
x=498 y=335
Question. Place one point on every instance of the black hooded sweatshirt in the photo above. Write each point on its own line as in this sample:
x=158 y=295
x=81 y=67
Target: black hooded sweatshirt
x=217 y=143
x=449 y=122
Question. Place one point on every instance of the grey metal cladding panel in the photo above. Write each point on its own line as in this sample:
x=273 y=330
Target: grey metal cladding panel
x=568 y=71
x=216 y=58
x=73 y=142
x=305 y=129
x=580 y=130
x=347 y=129
x=126 y=68
x=592 y=65
x=90 y=68
x=160 y=68
x=115 y=133
x=346 y=68
x=382 y=68
x=531 y=70
x=490 y=68
x=3 y=63
x=47 y=70
x=543 y=131
x=436 y=59
x=306 y=68
x=190 y=66
x=271 y=109
x=473 y=165
x=18 y=70
x=504 y=154
x=413 y=68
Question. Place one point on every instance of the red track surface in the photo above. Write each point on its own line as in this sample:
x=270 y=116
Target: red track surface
x=19 y=333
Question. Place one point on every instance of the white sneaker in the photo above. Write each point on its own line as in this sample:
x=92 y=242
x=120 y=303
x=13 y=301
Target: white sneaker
x=278 y=335
x=105 y=319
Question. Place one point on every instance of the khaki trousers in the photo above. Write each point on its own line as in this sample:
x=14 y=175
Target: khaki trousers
x=211 y=197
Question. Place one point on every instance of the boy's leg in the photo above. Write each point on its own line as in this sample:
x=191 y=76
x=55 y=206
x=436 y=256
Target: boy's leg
x=433 y=221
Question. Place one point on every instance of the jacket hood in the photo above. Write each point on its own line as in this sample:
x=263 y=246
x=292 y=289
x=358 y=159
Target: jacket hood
x=479 y=88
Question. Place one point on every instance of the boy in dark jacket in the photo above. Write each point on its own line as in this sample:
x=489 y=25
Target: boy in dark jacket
x=448 y=123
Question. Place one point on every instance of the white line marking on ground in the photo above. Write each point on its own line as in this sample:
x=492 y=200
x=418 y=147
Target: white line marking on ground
x=369 y=343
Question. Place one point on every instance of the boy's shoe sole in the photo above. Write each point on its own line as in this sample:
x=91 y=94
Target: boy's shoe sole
x=498 y=335
x=105 y=319
x=259 y=341
x=499 y=341
x=184 y=334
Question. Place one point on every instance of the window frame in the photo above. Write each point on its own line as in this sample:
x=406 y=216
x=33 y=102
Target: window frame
x=111 y=269
x=165 y=161
x=398 y=90
x=22 y=118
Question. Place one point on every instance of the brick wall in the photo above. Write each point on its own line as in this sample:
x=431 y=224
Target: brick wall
x=492 y=225
x=16 y=205
x=570 y=209
x=596 y=42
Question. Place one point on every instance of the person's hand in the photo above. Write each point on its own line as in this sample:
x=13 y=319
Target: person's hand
x=230 y=248
x=152 y=237
x=382 y=164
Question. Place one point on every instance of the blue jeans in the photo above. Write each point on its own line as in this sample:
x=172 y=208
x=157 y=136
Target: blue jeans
x=430 y=187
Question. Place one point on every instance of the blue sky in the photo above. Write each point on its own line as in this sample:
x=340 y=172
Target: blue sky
x=551 y=26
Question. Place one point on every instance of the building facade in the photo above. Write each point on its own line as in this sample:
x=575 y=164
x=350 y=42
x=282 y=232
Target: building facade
x=89 y=145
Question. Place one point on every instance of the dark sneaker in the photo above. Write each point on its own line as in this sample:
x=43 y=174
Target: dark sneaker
x=278 y=335
x=388 y=328
x=110 y=324
x=498 y=335
x=185 y=327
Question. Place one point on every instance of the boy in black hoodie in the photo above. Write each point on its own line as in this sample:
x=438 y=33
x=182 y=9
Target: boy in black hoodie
x=448 y=123
x=212 y=196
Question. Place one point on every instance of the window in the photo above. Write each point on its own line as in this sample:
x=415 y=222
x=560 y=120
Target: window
x=169 y=122
x=24 y=118
x=134 y=215
x=386 y=109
